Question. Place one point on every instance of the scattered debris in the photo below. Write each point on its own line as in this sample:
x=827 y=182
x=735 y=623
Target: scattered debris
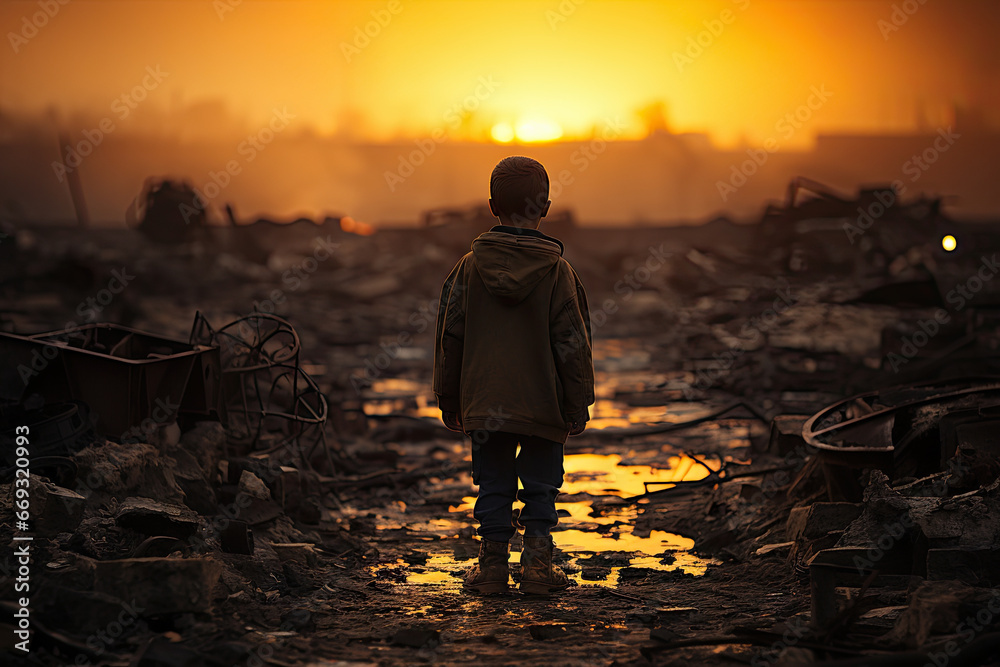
x=727 y=502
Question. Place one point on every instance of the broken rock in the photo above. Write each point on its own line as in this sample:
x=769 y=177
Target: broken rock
x=198 y=492
x=156 y=586
x=253 y=486
x=54 y=509
x=149 y=517
x=206 y=442
x=819 y=519
x=786 y=434
x=115 y=470
x=302 y=553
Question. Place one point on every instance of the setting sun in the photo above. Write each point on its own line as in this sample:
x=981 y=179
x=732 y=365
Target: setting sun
x=528 y=131
x=538 y=129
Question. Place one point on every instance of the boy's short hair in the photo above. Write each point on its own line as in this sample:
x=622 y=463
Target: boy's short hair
x=519 y=187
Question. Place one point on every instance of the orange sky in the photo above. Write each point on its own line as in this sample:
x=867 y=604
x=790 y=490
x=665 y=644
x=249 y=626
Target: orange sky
x=552 y=70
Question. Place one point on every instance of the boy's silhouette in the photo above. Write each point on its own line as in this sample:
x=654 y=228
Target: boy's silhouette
x=513 y=366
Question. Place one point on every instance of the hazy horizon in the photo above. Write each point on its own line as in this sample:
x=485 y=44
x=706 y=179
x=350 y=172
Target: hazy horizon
x=318 y=107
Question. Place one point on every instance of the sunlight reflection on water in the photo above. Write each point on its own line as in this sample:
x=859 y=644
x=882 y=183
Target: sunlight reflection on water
x=596 y=475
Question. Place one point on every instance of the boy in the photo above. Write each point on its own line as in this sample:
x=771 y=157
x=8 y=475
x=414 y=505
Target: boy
x=513 y=365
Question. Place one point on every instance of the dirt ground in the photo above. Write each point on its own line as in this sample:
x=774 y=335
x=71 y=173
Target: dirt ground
x=675 y=341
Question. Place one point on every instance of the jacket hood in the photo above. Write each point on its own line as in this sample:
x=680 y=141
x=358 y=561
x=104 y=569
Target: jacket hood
x=511 y=265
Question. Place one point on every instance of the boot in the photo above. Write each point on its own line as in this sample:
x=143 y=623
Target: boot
x=538 y=574
x=490 y=574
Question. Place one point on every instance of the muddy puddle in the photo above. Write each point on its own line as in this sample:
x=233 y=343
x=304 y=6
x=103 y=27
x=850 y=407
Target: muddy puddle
x=595 y=530
x=599 y=543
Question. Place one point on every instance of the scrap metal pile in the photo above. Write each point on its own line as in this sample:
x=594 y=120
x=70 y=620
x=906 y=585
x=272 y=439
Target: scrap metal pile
x=886 y=504
x=153 y=465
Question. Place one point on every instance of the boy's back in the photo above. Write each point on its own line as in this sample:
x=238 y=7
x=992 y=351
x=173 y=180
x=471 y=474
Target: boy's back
x=516 y=333
x=513 y=369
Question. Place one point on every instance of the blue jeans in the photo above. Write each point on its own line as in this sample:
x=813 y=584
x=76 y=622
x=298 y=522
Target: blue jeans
x=496 y=467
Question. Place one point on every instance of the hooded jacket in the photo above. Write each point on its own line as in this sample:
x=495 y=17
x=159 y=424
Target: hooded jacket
x=513 y=344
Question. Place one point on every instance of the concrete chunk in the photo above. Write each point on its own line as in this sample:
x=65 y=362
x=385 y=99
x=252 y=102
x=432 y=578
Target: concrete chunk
x=157 y=585
x=786 y=434
x=253 y=486
x=54 y=509
x=149 y=517
x=298 y=552
x=818 y=519
x=115 y=470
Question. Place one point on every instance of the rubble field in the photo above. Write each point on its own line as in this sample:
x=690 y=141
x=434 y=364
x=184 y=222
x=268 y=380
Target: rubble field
x=267 y=481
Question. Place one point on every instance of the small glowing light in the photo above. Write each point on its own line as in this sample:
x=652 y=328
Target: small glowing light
x=502 y=132
x=538 y=129
x=949 y=243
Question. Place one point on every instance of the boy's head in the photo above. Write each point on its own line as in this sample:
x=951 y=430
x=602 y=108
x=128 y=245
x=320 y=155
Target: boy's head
x=519 y=191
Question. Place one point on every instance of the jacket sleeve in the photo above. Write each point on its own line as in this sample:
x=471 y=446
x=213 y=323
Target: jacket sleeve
x=449 y=340
x=572 y=341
